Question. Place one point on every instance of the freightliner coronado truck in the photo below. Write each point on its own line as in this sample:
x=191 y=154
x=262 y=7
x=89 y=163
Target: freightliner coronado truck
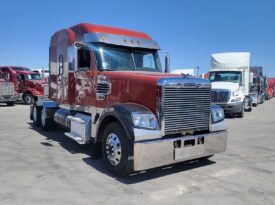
x=107 y=89
x=230 y=77
x=7 y=93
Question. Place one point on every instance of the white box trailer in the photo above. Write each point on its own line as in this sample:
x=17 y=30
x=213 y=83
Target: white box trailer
x=230 y=78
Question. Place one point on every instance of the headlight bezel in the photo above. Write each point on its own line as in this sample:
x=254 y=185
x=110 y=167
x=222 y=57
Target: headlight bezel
x=236 y=99
x=217 y=113
x=144 y=120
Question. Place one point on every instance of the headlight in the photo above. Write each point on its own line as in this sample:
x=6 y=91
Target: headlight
x=217 y=113
x=237 y=99
x=144 y=120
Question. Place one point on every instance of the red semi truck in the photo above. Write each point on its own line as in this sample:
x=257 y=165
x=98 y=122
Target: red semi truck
x=107 y=88
x=27 y=83
x=7 y=93
x=271 y=88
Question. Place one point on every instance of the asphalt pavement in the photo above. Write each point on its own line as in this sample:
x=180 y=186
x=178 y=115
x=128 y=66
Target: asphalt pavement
x=39 y=167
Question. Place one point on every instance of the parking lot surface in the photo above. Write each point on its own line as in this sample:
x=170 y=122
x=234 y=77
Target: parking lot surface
x=39 y=167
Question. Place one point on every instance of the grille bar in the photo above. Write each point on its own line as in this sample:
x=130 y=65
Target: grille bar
x=220 y=95
x=186 y=109
x=6 y=89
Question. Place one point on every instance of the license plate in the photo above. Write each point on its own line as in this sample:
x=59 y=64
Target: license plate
x=189 y=152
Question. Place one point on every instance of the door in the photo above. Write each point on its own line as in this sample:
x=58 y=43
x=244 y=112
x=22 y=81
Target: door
x=84 y=78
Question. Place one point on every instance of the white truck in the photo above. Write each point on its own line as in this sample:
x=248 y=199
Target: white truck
x=230 y=78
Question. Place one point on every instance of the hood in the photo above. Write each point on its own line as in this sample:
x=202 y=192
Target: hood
x=38 y=82
x=141 y=76
x=134 y=87
x=25 y=72
x=225 y=85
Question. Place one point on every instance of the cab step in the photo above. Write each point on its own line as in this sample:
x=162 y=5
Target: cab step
x=76 y=138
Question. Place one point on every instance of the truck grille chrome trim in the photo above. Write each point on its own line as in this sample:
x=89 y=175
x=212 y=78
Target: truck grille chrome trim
x=220 y=95
x=46 y=89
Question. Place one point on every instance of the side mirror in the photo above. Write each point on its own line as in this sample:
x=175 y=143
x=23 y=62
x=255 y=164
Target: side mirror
x=167 y=63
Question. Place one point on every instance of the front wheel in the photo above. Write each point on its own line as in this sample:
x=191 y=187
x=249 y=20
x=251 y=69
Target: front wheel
x=28 y=99
x=241 y=114
x=116 y=150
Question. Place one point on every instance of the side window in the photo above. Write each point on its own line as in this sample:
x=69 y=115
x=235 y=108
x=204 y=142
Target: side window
x=5 y=69
x=60 y=65
x=148 y=61
x=83 y=59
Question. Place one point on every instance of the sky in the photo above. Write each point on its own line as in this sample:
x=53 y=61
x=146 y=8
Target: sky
x=190 y=30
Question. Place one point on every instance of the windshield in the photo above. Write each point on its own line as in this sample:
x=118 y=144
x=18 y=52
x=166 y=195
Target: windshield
x=21 y=68
x=33 y=77
x=226 y=76
x=126 y=59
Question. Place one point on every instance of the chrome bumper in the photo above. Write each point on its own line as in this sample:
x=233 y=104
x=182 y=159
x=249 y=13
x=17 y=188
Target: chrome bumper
x=8 y=98
x=159 y=152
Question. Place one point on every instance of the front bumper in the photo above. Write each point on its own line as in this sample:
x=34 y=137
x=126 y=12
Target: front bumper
x=160 y=152
x=232 y=108
x=8 y=98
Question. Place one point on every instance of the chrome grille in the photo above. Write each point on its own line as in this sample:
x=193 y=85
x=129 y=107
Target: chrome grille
x=6 y=89
x=220 y=95
x=186 y=109
x=46 y=89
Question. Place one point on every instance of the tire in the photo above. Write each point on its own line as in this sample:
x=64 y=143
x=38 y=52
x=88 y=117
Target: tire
x=10 y=103
x=241 y=114
x=250 y=109
x=36 y=116
x=118 y=163
x=47 y=124
x=28 y=99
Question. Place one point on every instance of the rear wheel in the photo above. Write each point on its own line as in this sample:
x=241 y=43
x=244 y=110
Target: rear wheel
x=47 y=124
x=249 y=109
x=28 y=99
x=116 y=150
x=36 y=116
x=10 y=103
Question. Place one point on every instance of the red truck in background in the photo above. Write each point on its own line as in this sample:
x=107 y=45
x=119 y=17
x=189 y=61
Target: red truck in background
x=27 y=83
x=271 y=88
x=107 y=88
x=7 y=93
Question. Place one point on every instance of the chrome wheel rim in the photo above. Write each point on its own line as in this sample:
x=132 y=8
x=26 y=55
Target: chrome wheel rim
x=113 y=149
x=43 y=117
x=34 y=114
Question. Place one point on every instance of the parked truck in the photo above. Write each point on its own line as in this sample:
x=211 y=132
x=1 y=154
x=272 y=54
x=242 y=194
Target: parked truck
x=259 y=88
x=7 y=92
x=44 y=73
x=271 y=88
x=27 y=84
x=106 y=88
x=231 y=79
